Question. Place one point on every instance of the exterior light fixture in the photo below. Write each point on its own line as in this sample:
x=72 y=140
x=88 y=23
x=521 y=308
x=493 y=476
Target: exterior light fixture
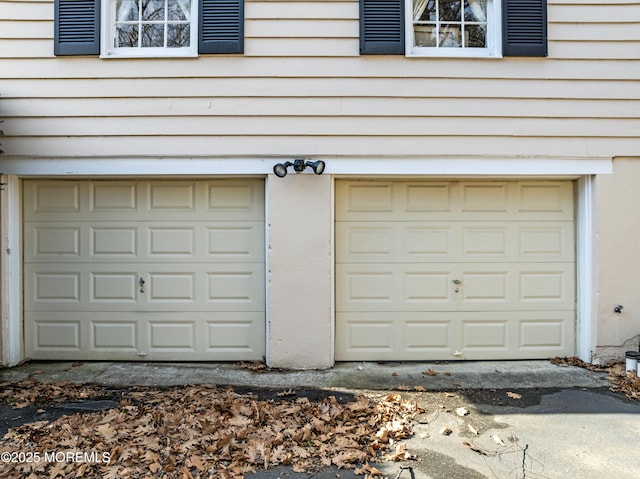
x=280 y=169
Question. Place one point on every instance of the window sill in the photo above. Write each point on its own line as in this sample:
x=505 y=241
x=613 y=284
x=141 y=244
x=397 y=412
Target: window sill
x=142 y=55
x=452 y=53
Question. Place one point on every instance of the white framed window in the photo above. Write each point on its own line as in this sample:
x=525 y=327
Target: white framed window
x=453 y=28
x=149 y=28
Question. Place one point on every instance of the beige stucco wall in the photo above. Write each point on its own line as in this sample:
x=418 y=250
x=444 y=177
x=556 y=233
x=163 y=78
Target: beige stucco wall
x=299 y=323
x=618 y=238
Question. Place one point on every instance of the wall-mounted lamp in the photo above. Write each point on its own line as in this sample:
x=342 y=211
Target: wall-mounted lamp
x=280 y=169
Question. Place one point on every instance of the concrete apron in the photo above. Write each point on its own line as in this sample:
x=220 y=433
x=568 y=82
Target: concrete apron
x=573 y=428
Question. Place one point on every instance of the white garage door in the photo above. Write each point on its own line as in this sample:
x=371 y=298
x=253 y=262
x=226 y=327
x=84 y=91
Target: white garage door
x=154 y=270
x=445 y=270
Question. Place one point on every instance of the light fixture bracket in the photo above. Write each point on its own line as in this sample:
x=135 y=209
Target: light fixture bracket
x=280 y=169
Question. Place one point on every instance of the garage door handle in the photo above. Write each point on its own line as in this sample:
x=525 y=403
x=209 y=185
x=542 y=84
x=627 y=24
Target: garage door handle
x=141 y=282
x=457 y=281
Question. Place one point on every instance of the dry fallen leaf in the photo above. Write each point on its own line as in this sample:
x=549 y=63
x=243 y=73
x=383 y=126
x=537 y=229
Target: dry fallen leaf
x=462 y=411
x=366 y=469
x=400 y=454
x=514 y=395
x=473 y=429
x=446 y=431
x=499 y=441
x=474 y=448
x=430 y=372
x=288 y=392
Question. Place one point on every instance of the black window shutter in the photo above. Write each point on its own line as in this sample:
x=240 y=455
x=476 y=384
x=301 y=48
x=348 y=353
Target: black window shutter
x=221 y=27
x=524 y=28
x=77 y=27
x=382 y=27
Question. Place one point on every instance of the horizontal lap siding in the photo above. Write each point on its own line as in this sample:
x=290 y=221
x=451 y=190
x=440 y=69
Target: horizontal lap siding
x=302 y=88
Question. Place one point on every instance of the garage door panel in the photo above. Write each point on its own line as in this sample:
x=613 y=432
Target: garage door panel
x=486 y=335
x=393 y=287
x=463 y=200
x=552 y=331
x=454 y=269
x=448 y=287
x=471 y=242
x=417 y=336
x=529 y=335
x=171 y=287
x=551 y=241
x=43 y=198
x=51 y=333
x=49 y=242
x=170 y=336
x=56 y=287
x=111 y=335
x=105 y=200
x=548 y=284
x=238 y=242
x=157 y=337
x=113 y=287
x=235 y=288
x=113 y=242
x=154 y=270
x=361 y=336
x=487 y=286
x=552 y=199
x=113 y=196
x=173 y=196
x=370 y=242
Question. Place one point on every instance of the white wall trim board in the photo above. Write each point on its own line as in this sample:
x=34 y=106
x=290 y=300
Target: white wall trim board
x=586 y=320
x=146 y=167
x=13 y=347
x=267 y=323
x=471 y=167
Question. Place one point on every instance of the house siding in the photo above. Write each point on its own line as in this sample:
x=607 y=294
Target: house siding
x=301 y=88
x=302 y=62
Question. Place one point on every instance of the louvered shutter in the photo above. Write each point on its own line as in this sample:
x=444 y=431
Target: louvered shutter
x=382 y=27
x=221 y=28
x=524 y=28
x=77 y=27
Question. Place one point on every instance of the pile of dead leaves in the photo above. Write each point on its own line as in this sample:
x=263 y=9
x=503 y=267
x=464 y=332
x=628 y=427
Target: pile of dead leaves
x=31 y=391
x=575 y=361
x=204 y=431
x=624 y=382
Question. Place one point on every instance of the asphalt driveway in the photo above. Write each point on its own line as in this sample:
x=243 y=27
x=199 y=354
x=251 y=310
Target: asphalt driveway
x=467 y=421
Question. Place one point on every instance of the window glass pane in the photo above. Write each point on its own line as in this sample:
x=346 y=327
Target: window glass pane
x=450 y=10
x=126 y=35
x=475 y=11
x=153 y=10
x=425 y=10
x=425 y=35
x=153 y=35
x=179 y=10
x=127 y=10
x=178 y=35
x=475 y=36
x=450 y=36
